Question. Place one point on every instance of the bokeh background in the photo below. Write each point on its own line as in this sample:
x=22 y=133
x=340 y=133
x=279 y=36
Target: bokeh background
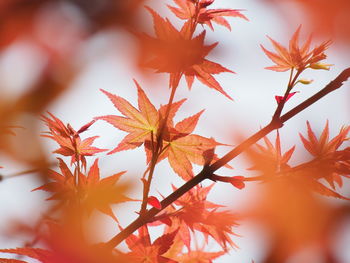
x=56 y=55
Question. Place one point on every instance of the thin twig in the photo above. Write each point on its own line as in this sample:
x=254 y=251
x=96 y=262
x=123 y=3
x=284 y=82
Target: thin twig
x=25 y=172
x=159 y=145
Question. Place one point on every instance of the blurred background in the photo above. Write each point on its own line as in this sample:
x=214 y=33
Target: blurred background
x=55 y=55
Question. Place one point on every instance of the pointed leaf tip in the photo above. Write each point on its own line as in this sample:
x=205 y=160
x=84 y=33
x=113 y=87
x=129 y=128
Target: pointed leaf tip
x=86 y=126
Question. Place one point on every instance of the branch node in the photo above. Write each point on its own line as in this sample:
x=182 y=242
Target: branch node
x=208 y=172
x=276 y=123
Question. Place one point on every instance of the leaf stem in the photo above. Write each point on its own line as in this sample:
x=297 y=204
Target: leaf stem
x=291 y=84
x=156 y=151
x=194 y=19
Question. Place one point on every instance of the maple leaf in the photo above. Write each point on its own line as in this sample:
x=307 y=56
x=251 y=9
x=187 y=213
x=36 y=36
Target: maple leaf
x=177 y=53
x=196 y=213
x=323 y=146
x=75 y=253
x=141 y=124
x=186 y=150
x=297 y=57
x=199 y=256
x=325 y=191
x=63 y=184
x=69 y=140
x=39 y=254
x=343 y=163
x=329 y=163
x=183 y=148
x=153 y=201
x=187 y=10
x=101 y=193
x=180 y=146
x=143 y=251
x=270 y=158
x=279 y=99
x=90 y=193
x=236 y=181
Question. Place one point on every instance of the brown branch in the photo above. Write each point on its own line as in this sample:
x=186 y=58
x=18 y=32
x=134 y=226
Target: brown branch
x=208 y=171
x=25 y=172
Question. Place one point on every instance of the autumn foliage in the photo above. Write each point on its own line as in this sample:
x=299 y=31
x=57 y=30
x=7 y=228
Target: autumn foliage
x=182 y=227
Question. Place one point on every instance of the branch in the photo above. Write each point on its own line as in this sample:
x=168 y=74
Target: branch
x=208 y=171
x=25 y=172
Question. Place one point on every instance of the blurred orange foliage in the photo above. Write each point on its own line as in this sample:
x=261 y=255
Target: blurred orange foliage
x=330 y=18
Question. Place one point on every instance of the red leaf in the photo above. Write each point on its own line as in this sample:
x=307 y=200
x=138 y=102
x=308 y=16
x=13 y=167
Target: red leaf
x=187 y=125
x=98 y=193
x=237 y=181
x=323 y=146
x=197 y=213
x=176 y=51
x=69 y=140
x=164 y=242
x=279 y=99
x=86 y=126
x=153 y=201
x=35 y=253
x=323 y=190
x=143 y=251
x=296 y=57
x=139 y=123
x=187 y=9
x=166 y=220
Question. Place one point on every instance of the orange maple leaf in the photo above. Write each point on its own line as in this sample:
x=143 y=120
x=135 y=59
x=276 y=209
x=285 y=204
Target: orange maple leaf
x=62 y=186
x=100 y=193
x=270 y=158
x=197 y=213
x=323 y=146
x=89 y=193
x=65 y=251
x=180 y=146
x=183 y=148
x=330 y=166
x=330 y=163
x=177 y=53
x=143 y=251
x=297 y=57
x=39 y=254
x=187 y=10
x=69 y=139
x=141 y=124
x=199 y=256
